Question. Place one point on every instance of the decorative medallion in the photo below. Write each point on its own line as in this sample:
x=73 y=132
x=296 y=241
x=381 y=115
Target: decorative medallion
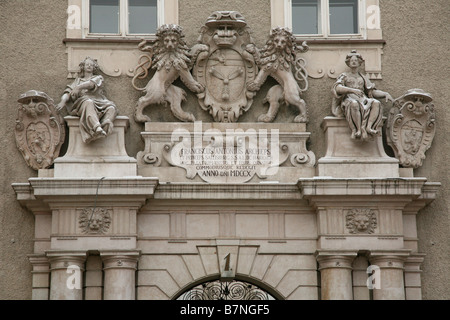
x=411 y=127
x=225 y=67
x=40 y=130
x=361 y=221
x=94 y=220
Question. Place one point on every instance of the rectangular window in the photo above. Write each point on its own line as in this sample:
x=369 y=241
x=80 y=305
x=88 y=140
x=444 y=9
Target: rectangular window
x=123 y=17
x=325 y=17
x=306 y=16
x=142 y=16
x=104 y=16
x=343 y=16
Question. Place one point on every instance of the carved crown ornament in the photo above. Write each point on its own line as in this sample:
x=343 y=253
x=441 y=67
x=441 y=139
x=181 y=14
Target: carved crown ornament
x=40 y=130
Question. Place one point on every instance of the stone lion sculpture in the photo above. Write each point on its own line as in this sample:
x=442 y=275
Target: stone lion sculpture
x=170 y=57
x=279 y=59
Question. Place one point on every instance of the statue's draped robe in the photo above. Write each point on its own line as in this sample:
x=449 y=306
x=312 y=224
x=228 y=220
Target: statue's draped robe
x=93 y=108
x=342 y=102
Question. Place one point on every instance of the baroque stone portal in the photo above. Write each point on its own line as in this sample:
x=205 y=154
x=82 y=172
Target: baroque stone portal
x=39 y=129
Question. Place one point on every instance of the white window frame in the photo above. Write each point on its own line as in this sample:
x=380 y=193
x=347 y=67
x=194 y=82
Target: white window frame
x=123 y=21
x=325 y=22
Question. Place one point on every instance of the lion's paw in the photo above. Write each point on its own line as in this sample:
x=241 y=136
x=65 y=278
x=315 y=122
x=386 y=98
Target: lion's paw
x=141 y=118
x=265 y=118
x=301 y=119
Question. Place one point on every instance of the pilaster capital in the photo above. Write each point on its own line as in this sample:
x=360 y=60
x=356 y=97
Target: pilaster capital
x=37 y=260
x=65 y=259
x=335 y=259
x=389 y=259
x=126 y=259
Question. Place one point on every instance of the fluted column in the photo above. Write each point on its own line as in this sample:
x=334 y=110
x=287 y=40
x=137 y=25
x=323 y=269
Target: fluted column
x=392 y=286
x=66 y=281
x=120 y=274
x=336 y=275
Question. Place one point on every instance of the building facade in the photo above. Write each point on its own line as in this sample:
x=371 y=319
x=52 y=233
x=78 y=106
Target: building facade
x=298 y=165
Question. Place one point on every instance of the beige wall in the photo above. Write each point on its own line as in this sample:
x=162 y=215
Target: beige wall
x=32 y=56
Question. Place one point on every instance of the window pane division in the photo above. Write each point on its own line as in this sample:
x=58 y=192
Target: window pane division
x=305 y=16
x=343 y=16
x=142 y=16
x=104 y=16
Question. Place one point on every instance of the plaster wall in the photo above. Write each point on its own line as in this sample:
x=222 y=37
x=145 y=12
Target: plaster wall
x=32 y=56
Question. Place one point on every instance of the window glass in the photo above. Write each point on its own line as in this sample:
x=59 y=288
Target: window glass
x=104 y=16
x=343 y=16
x=142 y=16
x=305 y=16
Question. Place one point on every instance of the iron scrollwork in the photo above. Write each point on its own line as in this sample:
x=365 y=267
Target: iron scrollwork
x=226 y=290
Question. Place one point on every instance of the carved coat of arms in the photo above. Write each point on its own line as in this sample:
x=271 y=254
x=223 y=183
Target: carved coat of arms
x=40 y=130
x=225 y=66
x=411 y=127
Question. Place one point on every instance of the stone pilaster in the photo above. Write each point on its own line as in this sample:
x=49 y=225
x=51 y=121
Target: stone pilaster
x=336 y=274
x=413 y=283
x=40 y=276
x=93 y=287
x=66 y=275
x=120 y=274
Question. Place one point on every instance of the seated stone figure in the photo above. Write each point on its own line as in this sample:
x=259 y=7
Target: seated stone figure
x=84 y=98
x=355 y=97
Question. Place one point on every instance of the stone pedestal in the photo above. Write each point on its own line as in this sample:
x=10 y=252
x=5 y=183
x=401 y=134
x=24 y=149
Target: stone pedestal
x=336 y=275
x=350 y=158
x=66 y=275
x=105 y=157
x=120 y=269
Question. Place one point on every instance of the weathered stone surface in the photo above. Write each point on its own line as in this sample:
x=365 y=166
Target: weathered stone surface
x=411 y=127
x=40 y=130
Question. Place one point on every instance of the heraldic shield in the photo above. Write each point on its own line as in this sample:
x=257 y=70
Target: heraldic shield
x=411 y=127
x=225 y=66
x=40 y=130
